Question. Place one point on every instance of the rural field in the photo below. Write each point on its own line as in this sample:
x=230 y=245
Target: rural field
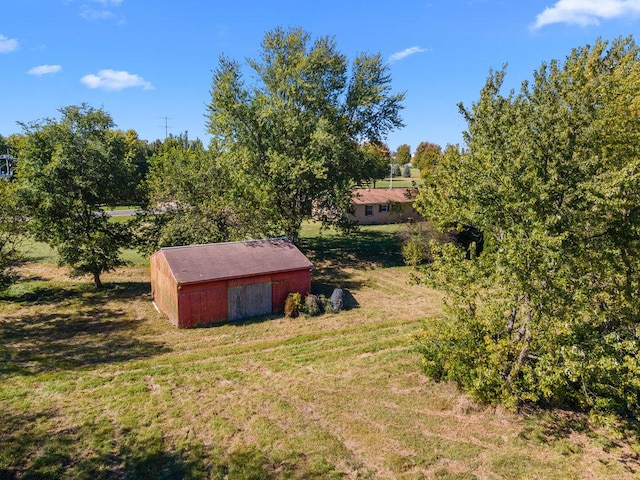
x=97 y=384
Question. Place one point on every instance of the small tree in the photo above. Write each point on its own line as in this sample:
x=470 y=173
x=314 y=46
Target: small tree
x=69 y=169
x=427 y=156
x=403 y=154
x=416 y=240
x=378 y=158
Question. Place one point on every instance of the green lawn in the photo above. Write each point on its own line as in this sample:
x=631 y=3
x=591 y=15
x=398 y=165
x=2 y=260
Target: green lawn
x=99 y=385
x=41 y=252
x=398 y=182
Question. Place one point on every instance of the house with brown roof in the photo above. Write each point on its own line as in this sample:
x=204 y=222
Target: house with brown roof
x=202 y=284
x=383 y=205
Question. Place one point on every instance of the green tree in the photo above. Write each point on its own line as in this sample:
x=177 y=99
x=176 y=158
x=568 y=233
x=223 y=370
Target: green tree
x=192 y=199
x=438 y=162
x=548 y=313
x=378 y=158
x=138 y=153
x=295 y=132
x=11 y=230
x=68 y=170
x=403 y=154
x=427 y=157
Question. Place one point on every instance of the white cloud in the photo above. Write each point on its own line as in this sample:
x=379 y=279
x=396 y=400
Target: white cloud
x=90 y=14
x=45 y=70
x=8 y=45
x=405 y=53
x=115 y=80
x=104 y=13
x=586 y=12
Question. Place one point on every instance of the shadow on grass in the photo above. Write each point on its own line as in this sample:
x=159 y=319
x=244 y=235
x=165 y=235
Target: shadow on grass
x=334 y=255
x=47 y=292
x=326 y=289
x=362 y=249
x=557 y=427
x=32 y=450
x=66 y=328
x=543 y=426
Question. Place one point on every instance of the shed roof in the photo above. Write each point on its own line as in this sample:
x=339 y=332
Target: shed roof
x=223 y=261
x=368 y=196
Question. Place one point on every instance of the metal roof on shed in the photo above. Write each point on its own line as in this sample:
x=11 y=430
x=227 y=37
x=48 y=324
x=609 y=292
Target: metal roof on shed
x=223 y=261
x=369 y=196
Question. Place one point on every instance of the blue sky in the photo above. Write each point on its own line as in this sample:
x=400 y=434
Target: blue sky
x=149 y=64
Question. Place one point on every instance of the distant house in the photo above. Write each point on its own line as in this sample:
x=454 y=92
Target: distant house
x=202 y=284
x=384 y=205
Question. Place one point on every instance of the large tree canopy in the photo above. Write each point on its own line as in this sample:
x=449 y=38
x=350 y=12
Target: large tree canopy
x=69 y=169
x=549 y=312
x=295 y=131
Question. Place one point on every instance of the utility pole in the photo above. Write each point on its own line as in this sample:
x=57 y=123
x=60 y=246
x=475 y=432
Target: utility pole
x=391 y=176
x=6 y=170
x=166 y=126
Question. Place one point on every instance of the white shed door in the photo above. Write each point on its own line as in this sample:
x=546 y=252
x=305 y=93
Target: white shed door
x=249 y=300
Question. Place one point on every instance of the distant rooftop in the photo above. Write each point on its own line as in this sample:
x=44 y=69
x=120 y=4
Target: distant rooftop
x=369 y=196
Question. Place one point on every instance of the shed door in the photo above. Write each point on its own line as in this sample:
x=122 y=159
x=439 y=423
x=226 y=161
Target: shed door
x=249 y=300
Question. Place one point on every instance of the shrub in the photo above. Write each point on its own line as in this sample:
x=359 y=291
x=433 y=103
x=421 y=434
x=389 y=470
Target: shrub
x=292 y=305
x=312 y=305
x=415 y=239
x=325 y=304
x=414 y=252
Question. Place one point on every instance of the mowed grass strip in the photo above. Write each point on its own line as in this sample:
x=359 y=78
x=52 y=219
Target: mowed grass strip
x=99 y=385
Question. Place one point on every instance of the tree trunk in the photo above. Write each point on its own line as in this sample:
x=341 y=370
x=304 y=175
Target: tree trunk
x=524 y=335
x=524 y=351
x=96 y=280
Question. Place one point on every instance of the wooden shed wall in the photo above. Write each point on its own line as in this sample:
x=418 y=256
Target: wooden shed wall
x=202 y=303
x=282 y=284
x=208 y=302
x=164 y=289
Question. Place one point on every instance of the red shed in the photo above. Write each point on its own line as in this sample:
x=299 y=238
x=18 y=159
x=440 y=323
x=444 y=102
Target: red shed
x=201 y=284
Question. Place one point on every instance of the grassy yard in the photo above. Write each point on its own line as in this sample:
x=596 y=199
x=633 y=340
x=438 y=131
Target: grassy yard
x=99 y=385
x=41 y=252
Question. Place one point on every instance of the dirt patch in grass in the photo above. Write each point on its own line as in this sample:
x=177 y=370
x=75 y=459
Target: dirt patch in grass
x=98 y=384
